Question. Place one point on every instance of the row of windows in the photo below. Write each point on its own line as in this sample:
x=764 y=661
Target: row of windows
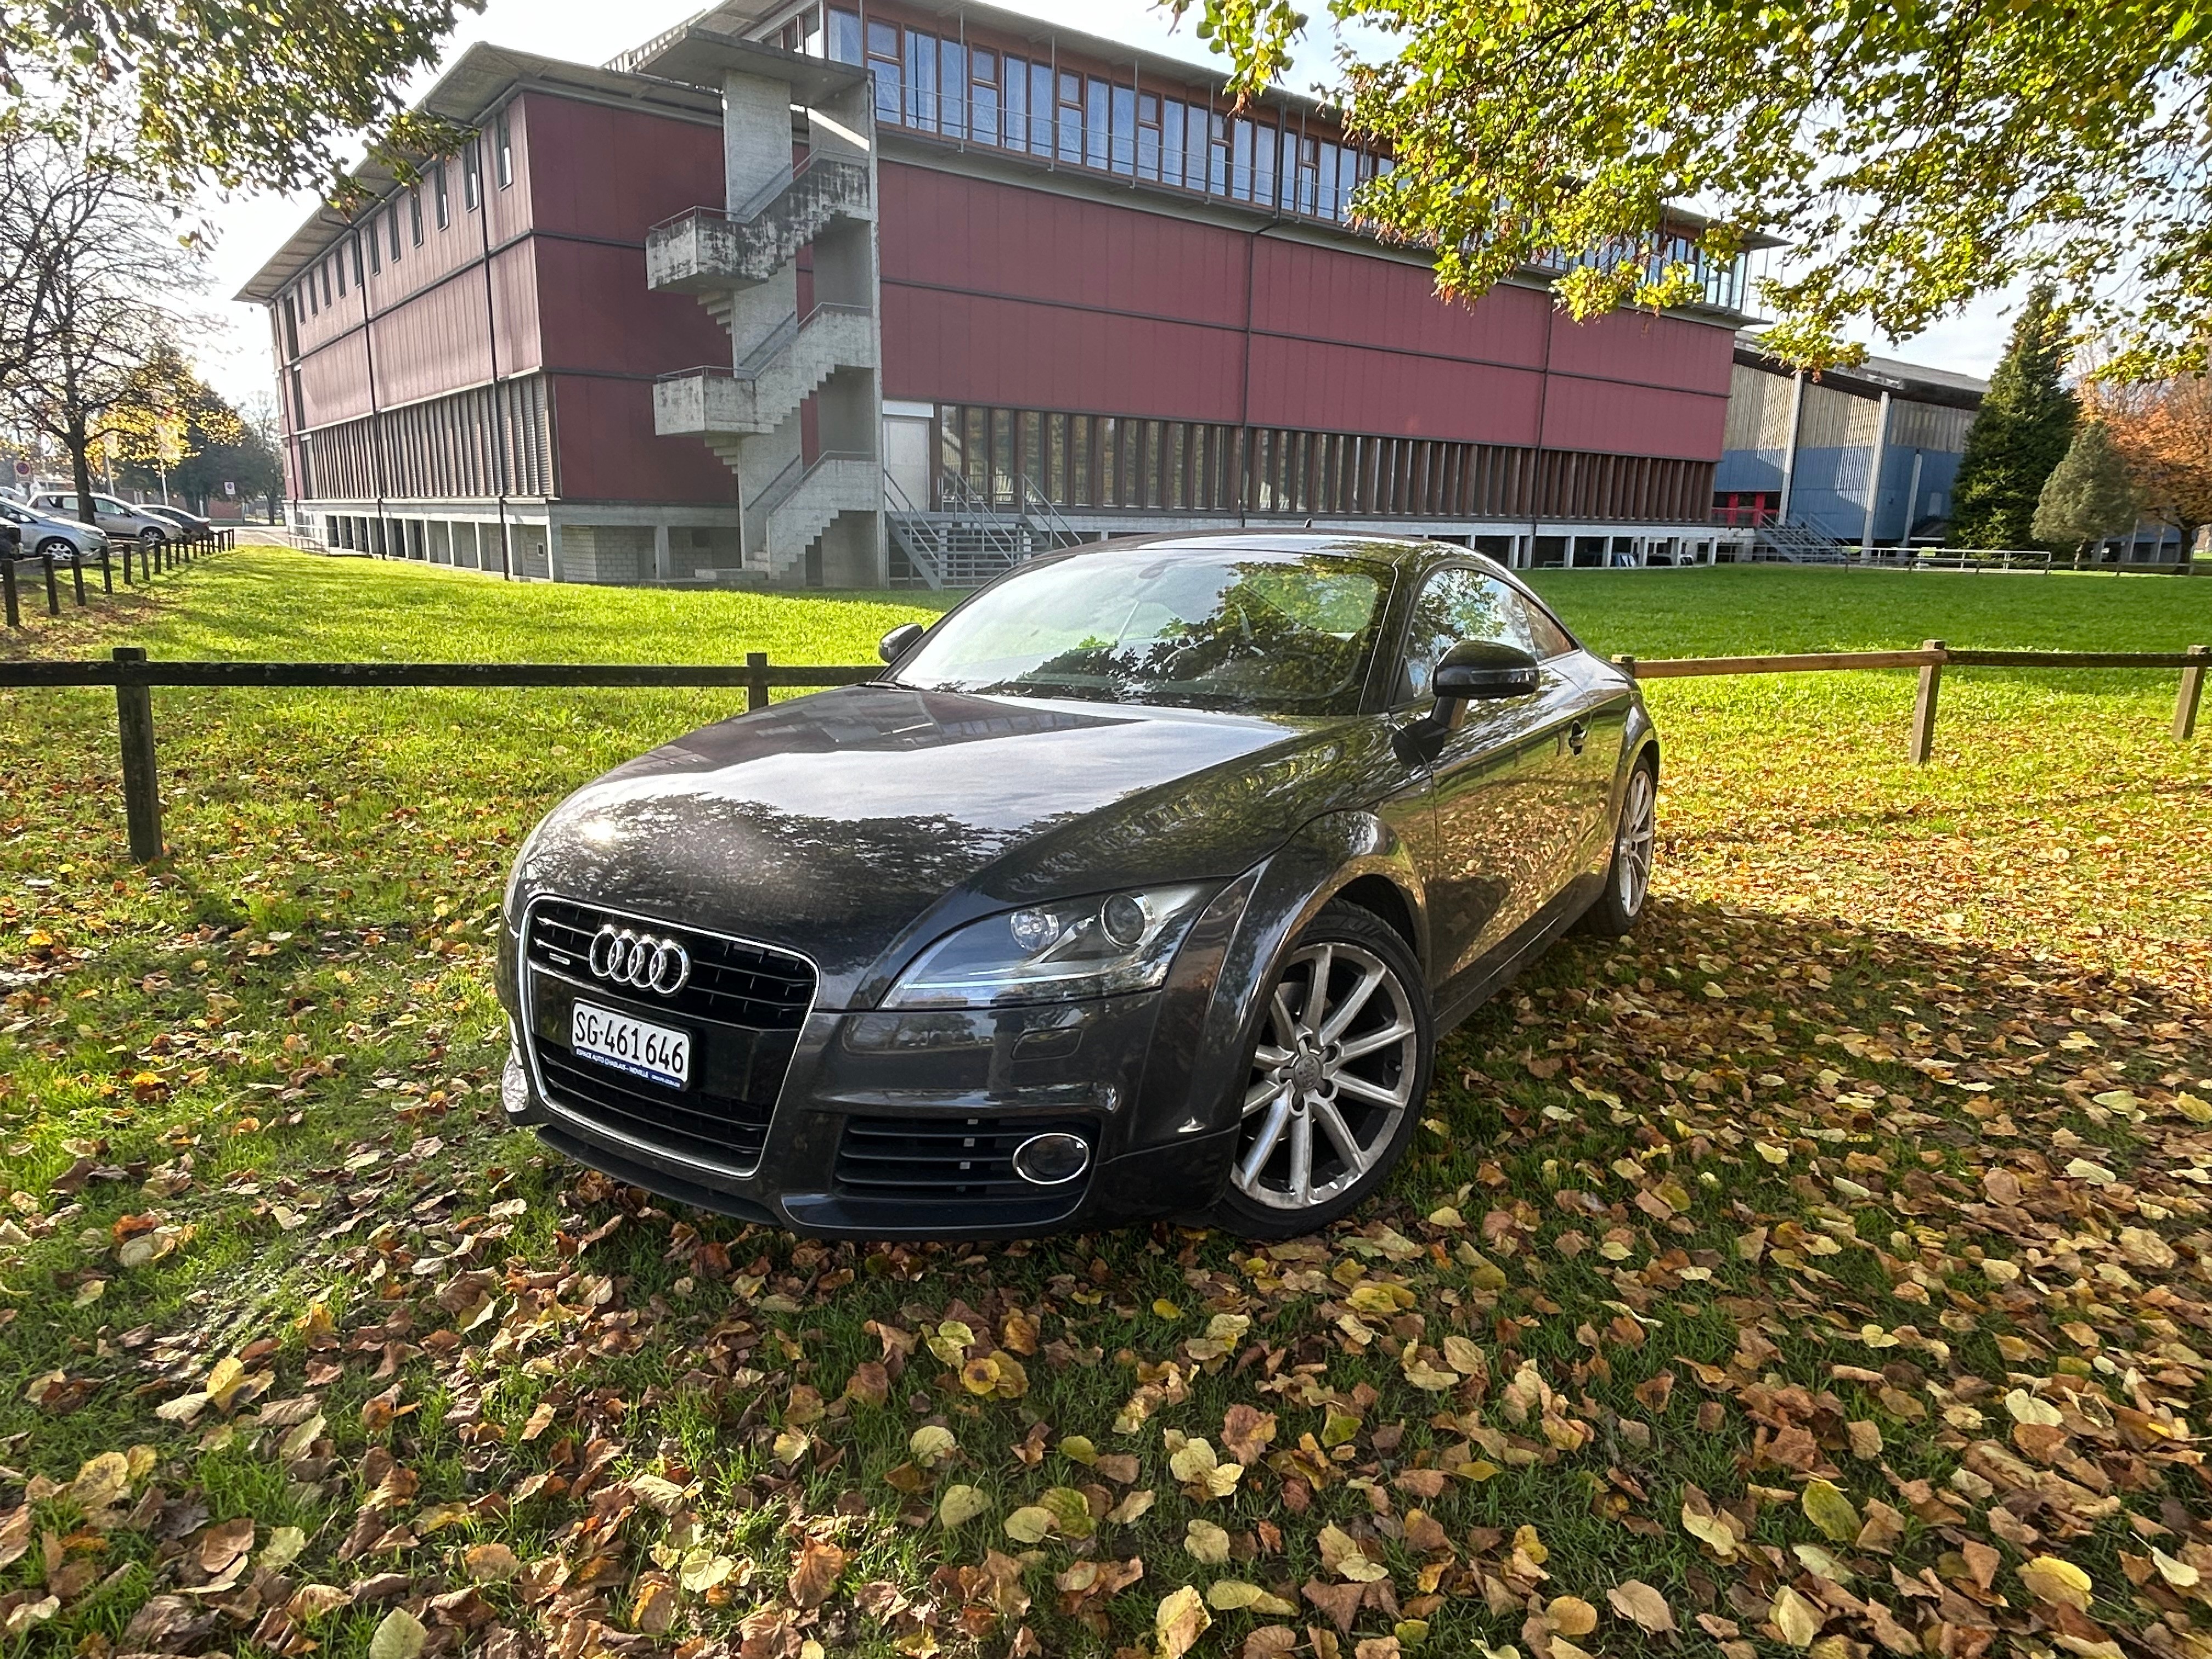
x=379 y=238
x=977 y=94
x=446 y=449
x=1192 y=466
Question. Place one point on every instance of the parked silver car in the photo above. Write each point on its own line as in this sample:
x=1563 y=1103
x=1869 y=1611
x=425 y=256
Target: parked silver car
x=63 y=540
x=119 y=519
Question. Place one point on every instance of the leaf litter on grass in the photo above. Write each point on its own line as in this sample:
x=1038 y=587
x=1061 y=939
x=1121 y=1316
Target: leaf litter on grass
x=1771 y=1281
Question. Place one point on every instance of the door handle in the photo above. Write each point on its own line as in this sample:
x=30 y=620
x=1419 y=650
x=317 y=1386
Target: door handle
x=1577 y=735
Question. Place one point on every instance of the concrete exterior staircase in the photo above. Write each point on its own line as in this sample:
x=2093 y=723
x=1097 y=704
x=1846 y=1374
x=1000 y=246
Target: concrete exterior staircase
x=802 y=502
x=708 y=253
x=767 y=388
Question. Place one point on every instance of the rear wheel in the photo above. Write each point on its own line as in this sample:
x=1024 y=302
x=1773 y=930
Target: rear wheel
x=1628 y=877
x=1335 y=1079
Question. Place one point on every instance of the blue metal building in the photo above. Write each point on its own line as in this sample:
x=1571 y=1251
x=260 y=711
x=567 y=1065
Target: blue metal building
x=1865 y=456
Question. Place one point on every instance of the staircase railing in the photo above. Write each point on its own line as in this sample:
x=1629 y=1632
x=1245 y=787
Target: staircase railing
x=786 y=484
x=1046 y=518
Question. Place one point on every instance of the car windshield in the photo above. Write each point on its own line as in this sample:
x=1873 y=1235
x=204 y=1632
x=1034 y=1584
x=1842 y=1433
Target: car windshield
x=1252 y=632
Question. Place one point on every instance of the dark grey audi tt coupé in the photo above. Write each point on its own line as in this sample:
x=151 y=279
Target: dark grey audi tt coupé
x=1140 y=884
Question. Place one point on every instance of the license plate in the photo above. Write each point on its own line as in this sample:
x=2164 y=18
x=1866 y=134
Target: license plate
x=659 y=1053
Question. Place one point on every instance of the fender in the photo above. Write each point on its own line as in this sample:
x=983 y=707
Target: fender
x=1320 y=860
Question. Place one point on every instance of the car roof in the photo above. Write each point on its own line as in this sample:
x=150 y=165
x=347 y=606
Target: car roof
x=1368 y=545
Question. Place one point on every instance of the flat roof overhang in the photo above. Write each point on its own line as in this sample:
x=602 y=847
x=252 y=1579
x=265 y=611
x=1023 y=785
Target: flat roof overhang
x=466 y=95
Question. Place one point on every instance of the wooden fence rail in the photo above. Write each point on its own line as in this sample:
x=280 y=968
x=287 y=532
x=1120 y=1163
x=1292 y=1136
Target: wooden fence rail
x=134 y=676
x=1931 y=659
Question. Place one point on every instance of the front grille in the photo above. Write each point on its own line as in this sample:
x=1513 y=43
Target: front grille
x=743 y=1004
x=747 y=985
x=944 y=1160
x=730 y=1133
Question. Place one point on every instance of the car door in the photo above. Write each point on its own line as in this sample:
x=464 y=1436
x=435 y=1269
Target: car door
x=1599 y=697
x=1503 y=782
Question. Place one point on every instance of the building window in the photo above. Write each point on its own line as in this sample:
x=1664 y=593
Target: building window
x=885 y=66
x=438 y=190
x=922 y=81
x=391 y=230
x=342 y=266
x=415 y=214
x=1017 y=103
x=1097 y=131
x=506 y=141
x=326 y=273
x=375 y=247
x=953 y=112
x=472 y=175
x=1070 y=119
x=1124 y=132
x=1148 y=136
x=844 y=36
x=983 y=95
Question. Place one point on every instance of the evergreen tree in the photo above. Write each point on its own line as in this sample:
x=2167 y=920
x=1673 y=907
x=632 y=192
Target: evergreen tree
x=2089 y=495
x=2025 y=423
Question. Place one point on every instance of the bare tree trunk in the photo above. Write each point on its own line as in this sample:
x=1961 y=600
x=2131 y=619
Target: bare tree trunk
x=80 y=449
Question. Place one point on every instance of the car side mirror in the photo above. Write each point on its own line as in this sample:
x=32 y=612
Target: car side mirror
x=1473 y=671
x=900 y=641
x=1476 y=671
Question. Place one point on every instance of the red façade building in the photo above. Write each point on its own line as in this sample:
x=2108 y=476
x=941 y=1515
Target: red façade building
x=898 y=291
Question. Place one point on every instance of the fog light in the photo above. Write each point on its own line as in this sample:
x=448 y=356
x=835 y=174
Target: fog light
x=1052 y=1160
x=514 y=1084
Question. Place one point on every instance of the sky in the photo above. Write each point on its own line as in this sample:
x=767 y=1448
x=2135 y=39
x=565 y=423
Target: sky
x=234 y=354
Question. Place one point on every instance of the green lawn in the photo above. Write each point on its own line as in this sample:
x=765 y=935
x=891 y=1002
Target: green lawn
x=1825 y=1267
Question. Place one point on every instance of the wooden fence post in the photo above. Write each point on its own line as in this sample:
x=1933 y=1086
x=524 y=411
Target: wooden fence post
x=8 y=584
x=77 y=579
x=2192 y=693
x=107 y=573
x=1923 y=708
x=142 y=783
x=755 y=681
x=53 y=593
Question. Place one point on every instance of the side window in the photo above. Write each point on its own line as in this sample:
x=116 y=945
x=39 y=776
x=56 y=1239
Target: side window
x=1466 y=604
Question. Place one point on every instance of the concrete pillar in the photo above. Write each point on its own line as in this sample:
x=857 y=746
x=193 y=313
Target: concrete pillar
x=663 y=565
x=552 y=549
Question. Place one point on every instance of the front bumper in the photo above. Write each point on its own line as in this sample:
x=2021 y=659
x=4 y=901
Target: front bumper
x=896 y=1124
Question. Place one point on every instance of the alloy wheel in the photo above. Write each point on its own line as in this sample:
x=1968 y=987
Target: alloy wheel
x=1639 y=829
x=1332 y=1075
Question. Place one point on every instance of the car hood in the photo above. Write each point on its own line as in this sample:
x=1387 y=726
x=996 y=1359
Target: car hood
x=855 y=825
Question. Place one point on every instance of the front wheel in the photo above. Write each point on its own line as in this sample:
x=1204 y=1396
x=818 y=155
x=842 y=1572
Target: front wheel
x=1335 y=1080
x=1628 y=877
x=59 y=551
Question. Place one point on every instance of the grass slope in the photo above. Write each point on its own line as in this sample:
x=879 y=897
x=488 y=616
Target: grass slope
x=1825 y=1264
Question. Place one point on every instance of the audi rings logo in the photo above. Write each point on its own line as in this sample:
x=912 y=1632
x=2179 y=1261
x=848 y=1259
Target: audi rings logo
x=624 y=958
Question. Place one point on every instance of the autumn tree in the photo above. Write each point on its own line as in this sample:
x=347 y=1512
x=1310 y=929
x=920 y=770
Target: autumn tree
x=2087 y=496
x=2163 y=431
x=96 y=333
x=2019 y=435
x=263 y=95
x=1913 y=155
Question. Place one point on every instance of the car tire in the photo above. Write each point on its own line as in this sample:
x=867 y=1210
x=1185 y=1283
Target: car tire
x=1619 y=905
x=151 y=540
x=59 y=549
x=1327 y=1106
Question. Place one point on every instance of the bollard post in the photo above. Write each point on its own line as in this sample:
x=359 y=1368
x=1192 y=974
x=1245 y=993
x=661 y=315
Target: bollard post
x=53 y=593
x=1923 y=708
x=107 y=573
x=77 y=579
x=141 y=784
x=2191 y=694
x=8 y=584
x=126 y=564
x=755 y=681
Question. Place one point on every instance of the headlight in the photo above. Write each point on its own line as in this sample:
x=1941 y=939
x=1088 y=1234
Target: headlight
x=1086 y=947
